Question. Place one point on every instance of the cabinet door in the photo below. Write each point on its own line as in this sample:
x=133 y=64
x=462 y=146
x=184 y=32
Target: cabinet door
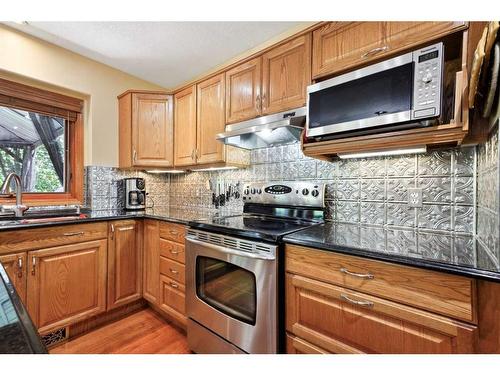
x=211 y=120
x=15 y=266
x=151 y=262
x=343 y=321
x=124 y=263
x=339 y=45
x=185 y=127
x=286 y=72
x=172 y=299
x=152 y=130
x=66 y=284
x=243 y=100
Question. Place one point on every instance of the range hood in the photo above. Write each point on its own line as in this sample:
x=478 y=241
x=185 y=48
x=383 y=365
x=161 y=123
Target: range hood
x=266 y=131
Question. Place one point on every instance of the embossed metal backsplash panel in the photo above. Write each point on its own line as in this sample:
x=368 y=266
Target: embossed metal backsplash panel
x=368 y=191
x=488 y=196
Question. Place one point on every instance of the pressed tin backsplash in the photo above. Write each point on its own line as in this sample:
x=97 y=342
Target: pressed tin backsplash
x=458 y=186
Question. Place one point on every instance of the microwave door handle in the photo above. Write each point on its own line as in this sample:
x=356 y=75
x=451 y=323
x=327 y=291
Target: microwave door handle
x=229 y=251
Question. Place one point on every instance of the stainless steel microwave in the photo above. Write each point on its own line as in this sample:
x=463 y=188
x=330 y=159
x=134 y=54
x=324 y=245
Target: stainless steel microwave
x=406 y=89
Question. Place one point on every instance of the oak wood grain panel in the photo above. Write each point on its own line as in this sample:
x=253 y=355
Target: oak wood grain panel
x=172 y=250
x=172 y=299
x=286 y=73
x=243 y=91
x=185 y=127
x=66 y=284
x=295 y=345
x=489 y=317
x=320 y=310
x=151 y=261
x=434 y=291
x=338 y=46
x=15 y=266
x=29 y=239
x=173 y=270
x=125 y=131
x=173 y=232
x=124 y=263
x=152 y=130
x=210 y=119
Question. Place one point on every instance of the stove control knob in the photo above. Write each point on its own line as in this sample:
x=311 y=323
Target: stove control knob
x=305 y=191
x=252 y=190
x=315 y=193
x=259 y=191
x=246 y=192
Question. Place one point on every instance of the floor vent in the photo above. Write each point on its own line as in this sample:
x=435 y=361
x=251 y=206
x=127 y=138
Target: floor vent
x=55 y=337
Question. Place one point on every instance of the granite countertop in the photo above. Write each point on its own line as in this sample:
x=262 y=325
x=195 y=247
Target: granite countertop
x=456 y=254
x=175 y=214
x=18 y=335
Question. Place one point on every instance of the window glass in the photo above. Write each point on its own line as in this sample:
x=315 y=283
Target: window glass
x=33 y=145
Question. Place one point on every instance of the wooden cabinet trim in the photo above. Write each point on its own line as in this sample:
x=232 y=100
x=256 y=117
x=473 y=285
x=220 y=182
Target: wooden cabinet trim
x=16 y=268
x=185 y=127
x=151 y=261
x=172 y=232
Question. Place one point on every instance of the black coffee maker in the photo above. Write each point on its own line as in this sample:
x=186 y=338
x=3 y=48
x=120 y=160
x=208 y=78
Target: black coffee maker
x=135 y=193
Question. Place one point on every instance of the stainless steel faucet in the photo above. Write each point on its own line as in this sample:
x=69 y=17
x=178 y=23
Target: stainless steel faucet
x=17 y=209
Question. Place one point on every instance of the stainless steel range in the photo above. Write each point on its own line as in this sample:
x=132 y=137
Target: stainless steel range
x=233 y=268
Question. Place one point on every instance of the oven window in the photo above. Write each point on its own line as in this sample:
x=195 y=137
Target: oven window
x=386 y=92
x=227 y=288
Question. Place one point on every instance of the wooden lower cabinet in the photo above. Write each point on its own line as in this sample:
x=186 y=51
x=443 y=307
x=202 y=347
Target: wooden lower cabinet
x=172 y=299
x=66 y=284
x=124 y=263
x=15 y=266
x=151 y=261
x=340 y=320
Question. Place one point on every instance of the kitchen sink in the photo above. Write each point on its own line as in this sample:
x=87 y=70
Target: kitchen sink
x=44 y=215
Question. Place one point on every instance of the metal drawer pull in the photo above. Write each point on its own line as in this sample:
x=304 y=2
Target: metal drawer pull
x=174 y=285
x=33 y=265
x=20 y=267
x=174 y=252
x=374 y=51
x=360 y=275
x=174 y=271
x=174 y=232
x=357 y=303
x=69 y=234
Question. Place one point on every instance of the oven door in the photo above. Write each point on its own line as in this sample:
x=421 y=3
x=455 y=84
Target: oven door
x=378 y=95
x=233 y=293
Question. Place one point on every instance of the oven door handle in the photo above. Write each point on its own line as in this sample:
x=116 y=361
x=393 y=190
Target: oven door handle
x=229 y=251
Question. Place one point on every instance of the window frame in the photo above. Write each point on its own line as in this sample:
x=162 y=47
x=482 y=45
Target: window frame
x=28 y=98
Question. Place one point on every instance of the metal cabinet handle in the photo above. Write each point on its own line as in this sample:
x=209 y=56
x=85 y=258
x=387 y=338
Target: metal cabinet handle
x=174 y=271
x=257 y=103
x=20 y=267
x=357 y=303
x=174 y=285
x=374 y=51
x=193 y=154
x=134 y=155
x=70 y=234
x=112 y=227
x=360 y=275
x=33 y=265
x=173 y=252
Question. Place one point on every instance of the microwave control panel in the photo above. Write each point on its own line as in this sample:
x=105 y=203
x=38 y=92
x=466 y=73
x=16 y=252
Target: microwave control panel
x=428 y=81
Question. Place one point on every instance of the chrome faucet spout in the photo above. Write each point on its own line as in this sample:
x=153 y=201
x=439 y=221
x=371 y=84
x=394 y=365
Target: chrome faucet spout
x=18 y=208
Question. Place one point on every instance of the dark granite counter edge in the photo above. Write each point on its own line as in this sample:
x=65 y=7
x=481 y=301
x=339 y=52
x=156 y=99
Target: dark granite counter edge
x=28 y=328
x=398 y=259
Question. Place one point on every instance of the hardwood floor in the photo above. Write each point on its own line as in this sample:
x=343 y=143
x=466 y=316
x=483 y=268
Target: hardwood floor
x=143 y=332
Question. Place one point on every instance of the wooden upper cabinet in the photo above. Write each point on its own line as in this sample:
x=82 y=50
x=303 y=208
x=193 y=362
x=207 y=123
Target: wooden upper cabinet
x=243 y=91
x=124 y=263
x=151 y=261
x=15 y=266
x=338 y=46
x=185 y=127
x=146 y=130
x=286 y=72
x=66 y=284
x=210 y=120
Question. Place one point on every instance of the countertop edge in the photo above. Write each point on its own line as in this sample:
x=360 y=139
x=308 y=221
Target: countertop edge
x=398 y=259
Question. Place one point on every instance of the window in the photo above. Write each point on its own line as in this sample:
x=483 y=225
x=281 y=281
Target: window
x=41 y=137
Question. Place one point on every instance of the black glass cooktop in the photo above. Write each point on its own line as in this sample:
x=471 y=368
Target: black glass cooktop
x=253 y=226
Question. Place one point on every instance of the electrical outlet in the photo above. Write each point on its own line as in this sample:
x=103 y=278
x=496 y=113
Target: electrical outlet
x=415 y=197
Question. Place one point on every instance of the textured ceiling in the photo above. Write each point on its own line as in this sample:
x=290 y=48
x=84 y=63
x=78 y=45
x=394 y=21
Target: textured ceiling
x=165 y=53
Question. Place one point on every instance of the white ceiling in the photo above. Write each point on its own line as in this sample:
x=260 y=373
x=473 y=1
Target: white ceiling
x=165 y=53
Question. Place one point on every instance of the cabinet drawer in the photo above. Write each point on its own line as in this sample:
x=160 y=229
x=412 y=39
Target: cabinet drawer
x=172 y=250
x=172 y=296
x=30 y=239
x=295 y=345
x=442 y=293
x=334 y=318
x=173 y=232
x=172 y=269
